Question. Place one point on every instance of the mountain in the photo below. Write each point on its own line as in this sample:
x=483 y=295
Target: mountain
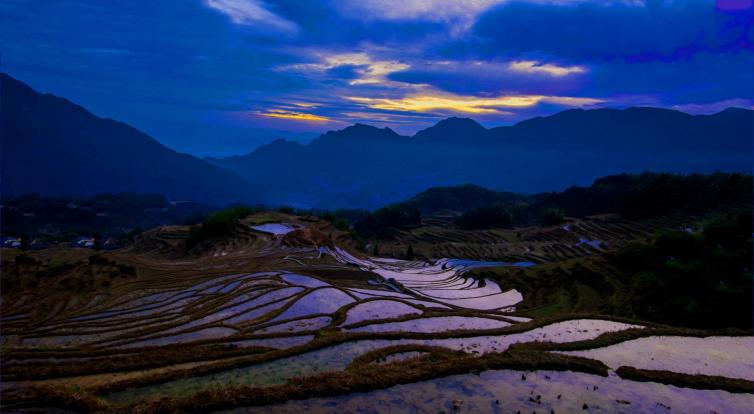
x=631 y=196
x=453 y=131
x=632 y=129
x=364 y=166
x=361 y=133
x=55 y=147
x=460 y=198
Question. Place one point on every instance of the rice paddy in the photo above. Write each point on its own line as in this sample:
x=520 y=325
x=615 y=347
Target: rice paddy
x=292 y=311
x=506 y=391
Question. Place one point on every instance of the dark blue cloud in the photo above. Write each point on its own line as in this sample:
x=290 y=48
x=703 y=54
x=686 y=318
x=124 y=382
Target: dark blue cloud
x=704 y=77
x=605 y=30
x=490 y=78
x=346 y=72
x=190 y=76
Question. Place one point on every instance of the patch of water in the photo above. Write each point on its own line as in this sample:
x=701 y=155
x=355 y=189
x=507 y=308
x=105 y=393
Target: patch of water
x=595 y=244
x=301 y=280
x=379 y=309
x=427 y=304
x=489 y=302
x=327 y=300
x=277 y=372
x=260 y=305
x=277 y=229
x=369 y=293
x=283 y=342
x=518 y=318
x=207 y=333
x=507 y=391
x=726 y=356
x=298 y=325
x=338 y=357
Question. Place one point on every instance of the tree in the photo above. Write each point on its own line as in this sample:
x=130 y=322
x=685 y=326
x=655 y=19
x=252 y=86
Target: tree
x=553 y=216
x=410 y=252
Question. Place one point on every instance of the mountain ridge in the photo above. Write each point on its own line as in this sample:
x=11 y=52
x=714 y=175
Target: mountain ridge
x=427 y=133
x=539 y=154
x=57 y=147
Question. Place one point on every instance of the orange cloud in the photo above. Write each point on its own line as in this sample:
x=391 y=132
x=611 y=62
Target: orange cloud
x=467 y=104
x=297 y=116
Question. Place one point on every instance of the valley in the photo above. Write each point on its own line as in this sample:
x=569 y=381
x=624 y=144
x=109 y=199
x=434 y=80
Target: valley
x=290 y=313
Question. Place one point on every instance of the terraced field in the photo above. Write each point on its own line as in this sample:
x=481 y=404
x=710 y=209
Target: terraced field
x=437 y=236
x=288 y=317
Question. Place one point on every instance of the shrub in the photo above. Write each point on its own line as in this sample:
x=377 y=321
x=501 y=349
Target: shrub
x=381 y=223
x=218 y=224
x=552 y=216
x=699 y=280
x=494 y=215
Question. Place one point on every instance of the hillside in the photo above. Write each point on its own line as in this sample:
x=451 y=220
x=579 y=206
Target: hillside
x=366 y=167
x=631 y=196
x=58 y=148
x=55 y=147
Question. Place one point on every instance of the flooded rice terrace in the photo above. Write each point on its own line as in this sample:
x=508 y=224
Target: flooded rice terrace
x=505 y=391
x=276 y=326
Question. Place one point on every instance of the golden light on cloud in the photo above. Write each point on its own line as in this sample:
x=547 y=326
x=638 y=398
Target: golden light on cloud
x=305 y=104
x=367 y=70
x=297 y=116
x=466 y=104
x=534 y=66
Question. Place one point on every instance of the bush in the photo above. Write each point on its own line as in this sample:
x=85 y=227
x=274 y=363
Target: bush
x=490 y=216
x=381 y=223
x=698 y=280
x=218 y=224
x=552 y=216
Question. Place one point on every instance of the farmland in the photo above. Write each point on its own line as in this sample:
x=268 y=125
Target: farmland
x=290 y=310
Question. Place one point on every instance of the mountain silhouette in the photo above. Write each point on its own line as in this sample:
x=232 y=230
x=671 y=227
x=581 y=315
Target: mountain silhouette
x=55 y=147
x=364 y=166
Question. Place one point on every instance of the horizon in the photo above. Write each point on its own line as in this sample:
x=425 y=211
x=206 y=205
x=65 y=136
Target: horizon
x=317 y=135
x=222 y=77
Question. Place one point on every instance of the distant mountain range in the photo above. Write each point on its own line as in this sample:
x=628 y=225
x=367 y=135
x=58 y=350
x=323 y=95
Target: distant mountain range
x=364 y=166
x=54 y=147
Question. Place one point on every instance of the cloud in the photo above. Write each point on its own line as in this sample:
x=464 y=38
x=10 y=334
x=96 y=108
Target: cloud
x=425 y=102
x=193 y=61
x=305 y=104
x=296 y=116
x=491 y=77
x=703 y=77
x=253 y=13
x=361 y=68
x=460 y=14
x=605 y=30
x=533 y=66
x=714 y=107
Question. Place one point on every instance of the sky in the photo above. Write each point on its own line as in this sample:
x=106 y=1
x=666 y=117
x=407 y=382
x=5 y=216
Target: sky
x=221 y=77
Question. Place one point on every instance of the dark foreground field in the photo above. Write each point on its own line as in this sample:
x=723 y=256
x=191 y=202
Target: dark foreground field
x=290 y=312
